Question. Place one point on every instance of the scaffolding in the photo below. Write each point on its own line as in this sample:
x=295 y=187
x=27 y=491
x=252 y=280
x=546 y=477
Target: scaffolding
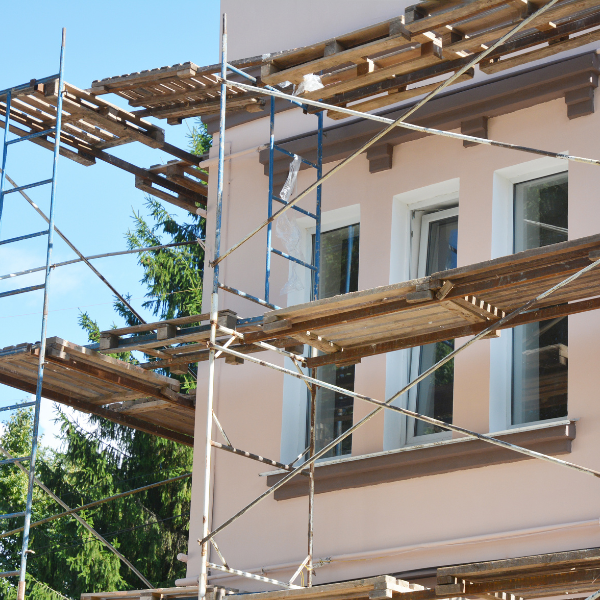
x=500 y=319
x=228 y=86
x=56 y=132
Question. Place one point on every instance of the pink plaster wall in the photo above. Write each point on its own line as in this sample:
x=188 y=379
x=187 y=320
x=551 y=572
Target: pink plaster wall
x=481 y=513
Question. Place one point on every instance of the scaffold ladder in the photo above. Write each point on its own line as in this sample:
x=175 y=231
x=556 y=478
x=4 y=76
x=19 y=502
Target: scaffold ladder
x=7 y=95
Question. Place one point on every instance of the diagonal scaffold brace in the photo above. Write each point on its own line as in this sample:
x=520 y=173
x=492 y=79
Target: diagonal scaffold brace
x=388 y=404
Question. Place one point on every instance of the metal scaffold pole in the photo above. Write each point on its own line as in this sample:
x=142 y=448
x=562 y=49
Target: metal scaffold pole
x=40 y=373
x=214 y=308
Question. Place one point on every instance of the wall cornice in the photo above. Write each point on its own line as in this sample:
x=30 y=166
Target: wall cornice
x=574 y=79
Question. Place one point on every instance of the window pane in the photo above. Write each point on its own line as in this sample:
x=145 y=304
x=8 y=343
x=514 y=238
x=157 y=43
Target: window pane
x=540 y=350
x=338 y=275
x=435 y=393
x=339 y=261
x=541 y=214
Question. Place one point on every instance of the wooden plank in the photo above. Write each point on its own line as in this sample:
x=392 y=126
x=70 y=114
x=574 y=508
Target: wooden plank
x=508 y=63
x=431 y=54
x=183 y=200
x=552 y=560
x=560 y=581
x=394 y=97
x=373 y=349
x=202 y=107
x=136 y=385
x=108 y=362
x=316 y=341
x=87 y=407
x=357 y=54
x=453 y=14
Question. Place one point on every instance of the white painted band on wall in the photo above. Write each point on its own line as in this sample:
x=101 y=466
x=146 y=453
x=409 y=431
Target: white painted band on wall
x=389 y=552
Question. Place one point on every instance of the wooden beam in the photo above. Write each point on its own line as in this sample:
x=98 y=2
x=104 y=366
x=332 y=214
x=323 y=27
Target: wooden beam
x=90 y=408
x=396 y=96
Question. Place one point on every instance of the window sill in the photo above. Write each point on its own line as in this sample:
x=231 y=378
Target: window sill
x=423 y=460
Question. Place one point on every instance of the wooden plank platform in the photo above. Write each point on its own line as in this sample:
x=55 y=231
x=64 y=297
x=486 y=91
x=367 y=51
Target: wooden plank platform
x=180 y=173
x=179 y=91
x=431 y=39
x=91 y=125
x=376 y=66
x=570 y=572
x=91 y=382
x=446 y=305
x=174 y=593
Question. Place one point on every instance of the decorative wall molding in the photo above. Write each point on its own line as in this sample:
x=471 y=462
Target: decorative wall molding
x=431 y=459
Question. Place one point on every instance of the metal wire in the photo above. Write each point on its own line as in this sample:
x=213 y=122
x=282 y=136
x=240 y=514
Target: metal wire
x=421 y=129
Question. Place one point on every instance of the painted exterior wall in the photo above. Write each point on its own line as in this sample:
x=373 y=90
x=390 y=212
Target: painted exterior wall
x=471 y=515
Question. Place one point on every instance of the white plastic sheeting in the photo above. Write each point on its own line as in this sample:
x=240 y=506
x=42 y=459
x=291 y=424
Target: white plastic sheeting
x=309 y=83
x=288 y=232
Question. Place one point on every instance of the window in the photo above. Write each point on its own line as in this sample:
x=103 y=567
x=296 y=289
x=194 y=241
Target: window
x=434 y=395
x=338 y=275
x=540 y=350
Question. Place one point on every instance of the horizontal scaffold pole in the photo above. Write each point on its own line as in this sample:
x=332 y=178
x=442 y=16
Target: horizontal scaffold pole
x=420 y=128
x=388 y=405
x=252 y=456
x=73 y=511
x=289 y=586
x=96 y=256
x=523 y=24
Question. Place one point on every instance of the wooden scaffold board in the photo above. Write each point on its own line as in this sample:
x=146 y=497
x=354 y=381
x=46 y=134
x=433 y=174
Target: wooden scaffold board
x=572 y=572
x=108 y=387
x=179 y=91
x=91 y=126
x=430 y=40
x=444 y=306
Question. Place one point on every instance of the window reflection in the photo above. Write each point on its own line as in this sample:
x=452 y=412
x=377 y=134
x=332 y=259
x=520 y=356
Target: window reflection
x=540 y=350
x=435 y=393
x=338 y=275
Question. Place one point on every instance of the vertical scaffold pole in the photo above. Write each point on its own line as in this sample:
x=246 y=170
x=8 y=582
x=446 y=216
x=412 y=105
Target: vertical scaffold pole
x=4 y=148
x=311 y=481
x=270 y=203
x=40 y=374
x=313 y=389
x=214 y=308
x=317 y=254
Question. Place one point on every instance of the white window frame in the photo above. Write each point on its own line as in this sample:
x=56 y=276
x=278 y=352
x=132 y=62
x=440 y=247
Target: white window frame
x=501 y=349
x=408 y=209
x=293 y=426
x=415 y=358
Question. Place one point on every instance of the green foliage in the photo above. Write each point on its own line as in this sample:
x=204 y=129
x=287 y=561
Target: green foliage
x=200 y=140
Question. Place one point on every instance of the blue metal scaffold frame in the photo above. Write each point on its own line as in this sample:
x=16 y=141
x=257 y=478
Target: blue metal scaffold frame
x=318 y=166
x=54 y=131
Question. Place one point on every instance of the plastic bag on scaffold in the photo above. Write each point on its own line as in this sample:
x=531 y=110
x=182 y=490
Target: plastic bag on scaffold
x=288 y=232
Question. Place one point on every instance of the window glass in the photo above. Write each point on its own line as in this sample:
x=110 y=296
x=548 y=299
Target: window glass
x=338 y=275
x=435 y=393
x=540 y=350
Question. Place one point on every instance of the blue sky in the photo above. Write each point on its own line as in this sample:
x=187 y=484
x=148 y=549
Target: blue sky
x=94 y=204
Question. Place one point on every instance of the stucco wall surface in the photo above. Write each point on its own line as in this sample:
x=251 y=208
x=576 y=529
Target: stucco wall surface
x=478 y=514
